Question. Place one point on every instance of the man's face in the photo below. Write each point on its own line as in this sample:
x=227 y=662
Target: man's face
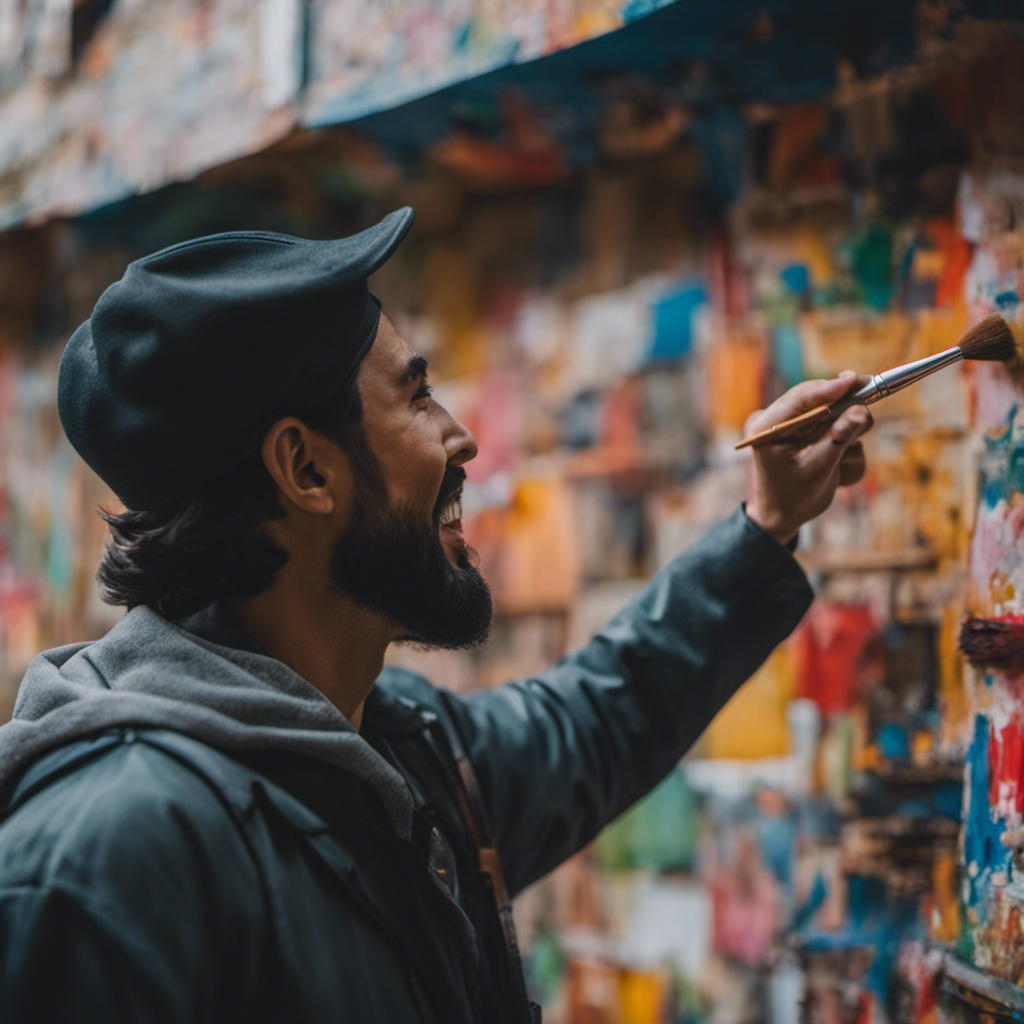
x=403 y=553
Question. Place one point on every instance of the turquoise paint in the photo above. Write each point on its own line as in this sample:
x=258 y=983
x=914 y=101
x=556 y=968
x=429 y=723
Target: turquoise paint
x=639 y=9
x=787 y=353
x=462 y=35
x=797 y=278
x=1002 y=470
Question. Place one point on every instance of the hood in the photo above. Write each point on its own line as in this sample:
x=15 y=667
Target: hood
x=149 y=671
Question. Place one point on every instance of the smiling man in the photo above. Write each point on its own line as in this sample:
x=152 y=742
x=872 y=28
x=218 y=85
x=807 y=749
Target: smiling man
x=227 y=809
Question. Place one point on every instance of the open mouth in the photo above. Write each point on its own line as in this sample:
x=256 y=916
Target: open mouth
x=451 y=514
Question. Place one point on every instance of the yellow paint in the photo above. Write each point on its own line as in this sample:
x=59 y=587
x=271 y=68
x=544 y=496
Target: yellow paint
x=594 y=23
x=868 y=344
x=940 y=329
x=923 y=746
x=953 y=696
x=927 y=264
x=930 y=498
x=753 y=724
x=1000 y=592
x=641 y=997
x=812 y=251
x=945 y=922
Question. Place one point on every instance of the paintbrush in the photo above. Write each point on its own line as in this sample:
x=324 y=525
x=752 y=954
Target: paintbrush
x=991 y=340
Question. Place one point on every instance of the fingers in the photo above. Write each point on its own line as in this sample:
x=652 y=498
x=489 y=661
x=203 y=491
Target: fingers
x=853 y=465
x=826 y=453
x=811 y=393
x=856 y=421
x=804 y=397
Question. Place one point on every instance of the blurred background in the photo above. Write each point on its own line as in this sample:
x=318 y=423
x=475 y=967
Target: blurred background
x=638 y=221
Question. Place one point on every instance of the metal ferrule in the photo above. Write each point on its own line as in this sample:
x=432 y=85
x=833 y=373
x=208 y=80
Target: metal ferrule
x=890 y=381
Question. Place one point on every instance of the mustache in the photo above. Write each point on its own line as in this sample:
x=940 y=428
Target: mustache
x=454 y=478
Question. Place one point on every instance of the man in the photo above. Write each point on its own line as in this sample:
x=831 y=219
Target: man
x=225 y=809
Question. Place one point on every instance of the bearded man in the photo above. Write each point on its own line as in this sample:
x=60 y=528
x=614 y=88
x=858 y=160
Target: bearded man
x=227 y=809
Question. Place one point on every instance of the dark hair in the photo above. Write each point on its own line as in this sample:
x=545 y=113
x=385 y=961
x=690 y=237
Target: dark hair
x=209 y=544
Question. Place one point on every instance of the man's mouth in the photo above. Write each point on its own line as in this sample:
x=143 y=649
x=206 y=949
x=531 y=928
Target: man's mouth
x=451 y=514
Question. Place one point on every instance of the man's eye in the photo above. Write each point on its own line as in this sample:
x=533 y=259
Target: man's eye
x=425 y=391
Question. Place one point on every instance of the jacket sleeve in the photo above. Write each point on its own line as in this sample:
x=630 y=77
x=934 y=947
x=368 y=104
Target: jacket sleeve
x=117 y=889
x=561 y=754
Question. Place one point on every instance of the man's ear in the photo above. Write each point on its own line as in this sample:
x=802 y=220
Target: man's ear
x=309 y=469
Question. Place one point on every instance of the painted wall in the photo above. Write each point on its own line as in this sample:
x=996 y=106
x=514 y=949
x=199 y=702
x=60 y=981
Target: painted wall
x=993 y=882
x=101 y=99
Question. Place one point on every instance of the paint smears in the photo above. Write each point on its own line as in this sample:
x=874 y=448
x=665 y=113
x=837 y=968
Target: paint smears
x=994 y=643
x=1003 y=464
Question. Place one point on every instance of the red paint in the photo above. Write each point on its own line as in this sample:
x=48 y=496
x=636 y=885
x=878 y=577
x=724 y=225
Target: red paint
x=1006 y=768
x=840 y=655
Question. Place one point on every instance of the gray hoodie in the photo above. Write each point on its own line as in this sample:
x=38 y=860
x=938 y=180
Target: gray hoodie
x=148 y=671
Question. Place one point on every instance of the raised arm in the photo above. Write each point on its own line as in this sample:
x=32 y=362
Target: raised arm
x=562 y=753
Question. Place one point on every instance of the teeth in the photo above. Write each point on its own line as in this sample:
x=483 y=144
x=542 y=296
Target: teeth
x=452 y=511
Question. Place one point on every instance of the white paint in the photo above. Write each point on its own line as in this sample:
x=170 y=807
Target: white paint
x=670 y=923
x=280 y=50
x=52 y=50
x=13 y=23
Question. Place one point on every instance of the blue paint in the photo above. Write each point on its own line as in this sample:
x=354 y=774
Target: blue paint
x=777 y=836
x=982 y=830
x=804 y=914
x=875 y=920
x=878 y=797
x=797 y=278
x=894 y=741
x=672 y=322
x=1005 y=300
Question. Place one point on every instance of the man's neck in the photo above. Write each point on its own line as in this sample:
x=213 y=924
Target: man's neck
x=325 y=638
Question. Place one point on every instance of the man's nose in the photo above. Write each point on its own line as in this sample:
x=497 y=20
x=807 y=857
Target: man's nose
x=461 y=444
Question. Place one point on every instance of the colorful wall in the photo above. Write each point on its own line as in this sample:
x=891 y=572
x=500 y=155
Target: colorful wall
x=833 y=848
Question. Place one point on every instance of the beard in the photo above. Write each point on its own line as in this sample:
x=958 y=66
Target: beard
x=391 y=561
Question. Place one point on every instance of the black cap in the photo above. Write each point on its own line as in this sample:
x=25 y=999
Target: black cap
x=189 y=358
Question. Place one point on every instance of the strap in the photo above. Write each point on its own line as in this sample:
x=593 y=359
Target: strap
x=490 y=866
x=478 y=827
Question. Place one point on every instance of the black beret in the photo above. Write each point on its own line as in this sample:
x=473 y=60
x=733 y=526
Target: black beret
x=189 y=358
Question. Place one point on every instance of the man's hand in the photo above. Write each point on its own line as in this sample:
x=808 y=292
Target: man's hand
x=792 y=483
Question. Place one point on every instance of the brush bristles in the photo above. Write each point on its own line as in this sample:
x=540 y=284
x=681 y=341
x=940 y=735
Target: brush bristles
x=990 y=340
x=993 y=643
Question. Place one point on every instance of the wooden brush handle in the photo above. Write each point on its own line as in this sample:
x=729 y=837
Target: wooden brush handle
x=788 y=430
